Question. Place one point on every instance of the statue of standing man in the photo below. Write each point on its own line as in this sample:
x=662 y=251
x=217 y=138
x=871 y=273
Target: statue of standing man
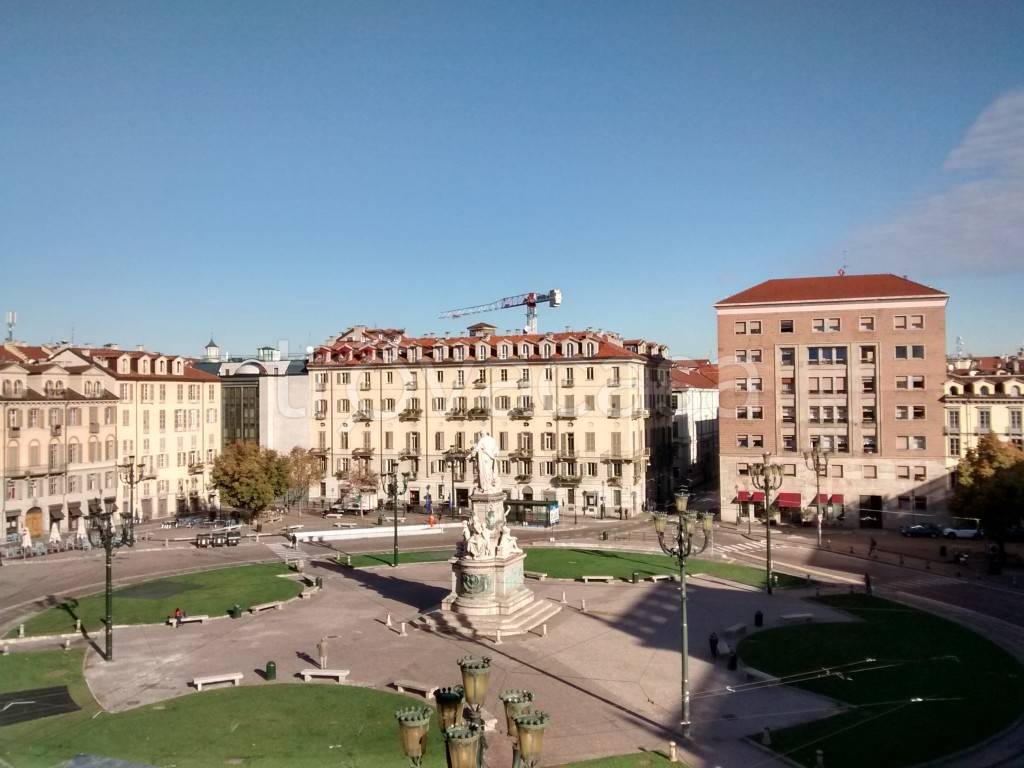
x=485 y=453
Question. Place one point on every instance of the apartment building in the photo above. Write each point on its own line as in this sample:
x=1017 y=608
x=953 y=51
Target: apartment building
x=851 y=364
x=582 y=418
x=59 y=436
x=983 y=396
x=168 y=416
x=694 y=421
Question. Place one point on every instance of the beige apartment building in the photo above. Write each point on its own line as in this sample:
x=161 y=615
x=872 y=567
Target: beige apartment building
x=582 y=418
x=168 y=416
x=984 y=396
x=60 y=440
x=852 y=364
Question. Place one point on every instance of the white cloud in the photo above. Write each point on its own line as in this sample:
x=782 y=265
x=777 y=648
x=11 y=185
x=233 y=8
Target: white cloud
x=976 y=224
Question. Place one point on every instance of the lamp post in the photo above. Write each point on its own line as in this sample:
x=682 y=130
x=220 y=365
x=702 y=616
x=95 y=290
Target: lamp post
x=103 y=532
x=682 y=549
x=131 y=473
x=767 y=477
x=389 y=480
x=817 y=460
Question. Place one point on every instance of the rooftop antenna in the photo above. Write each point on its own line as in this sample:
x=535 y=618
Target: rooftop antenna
x=12 y=320
x=959 y=347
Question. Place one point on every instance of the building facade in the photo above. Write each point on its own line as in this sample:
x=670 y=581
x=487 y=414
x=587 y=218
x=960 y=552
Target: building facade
x=854 y=365
x=582 y=418
x=694 y=422
x=60 y=441
x=983 y=396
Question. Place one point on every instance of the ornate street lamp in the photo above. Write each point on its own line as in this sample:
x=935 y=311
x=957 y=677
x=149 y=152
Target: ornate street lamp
x=103 y=533
x=131 y=474
x=465 y=746
x=389 y=482
x=449 y=706
x=516 y=702
x=530 y=727
x=413 y=727
x=476 y=676
x=817 y=461
x=767 y=477
x=682 y=549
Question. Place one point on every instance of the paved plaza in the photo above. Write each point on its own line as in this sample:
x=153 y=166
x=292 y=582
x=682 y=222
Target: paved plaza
x=609 y=677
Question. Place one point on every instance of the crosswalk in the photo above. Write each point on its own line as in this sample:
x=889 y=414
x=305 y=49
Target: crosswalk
x=283 y=551
x=748 y=546
x=924 y=581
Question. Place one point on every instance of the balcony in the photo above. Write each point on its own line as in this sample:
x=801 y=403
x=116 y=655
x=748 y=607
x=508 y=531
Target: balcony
x=454 y=454
x=568 y=382
x=365 y=386
x=320 y=450
x=94 y=428
x=565 y=480
x=615 y=382
x=411 y=386
x=409 y=452
x=410 y=414
x=616 y=413
x=480 y=384
x=479 y=413
x=641 y=413
x=56 y=430
x=566 y=413
x=36 y=470
x=521 y=453
x=362 y=453
x=566 y=454
x=524 y=477
x=196 y=468
x=320 y=386
x=455 y=414
x=362 y=416
x=616 y=455
x=523 y=383
x=319 y=415
x=14 y=431
x=459 y=385
x=950 y=430
x=521 y=413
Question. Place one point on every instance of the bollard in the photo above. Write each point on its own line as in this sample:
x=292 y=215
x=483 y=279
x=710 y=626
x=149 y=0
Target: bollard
x=758 y=618
x=766 y=738
x=583 y=605
x=672 y=752
x=867 y=584
x=636 y=577
x=257 y=538
x=387 y=621
x=563 y=597
x=165 y=543
x=66 y=645
x=544 y=630
x=808 y=579
x=819 y=758
x=497 y=637
x=78 y=625
x=733 y=662
x=21 y=630
x=402 y=632
x=348 y=560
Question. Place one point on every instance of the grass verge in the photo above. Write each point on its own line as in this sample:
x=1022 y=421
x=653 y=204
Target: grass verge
x=639 y=760
x=206 y=592
x=932 y=688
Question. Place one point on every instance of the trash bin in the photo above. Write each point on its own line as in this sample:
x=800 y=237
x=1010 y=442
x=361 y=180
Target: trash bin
x=236 y=611
x=636 y=577
x=319 y=582
x=758 y=619
x=604 y=535
x=271 y=670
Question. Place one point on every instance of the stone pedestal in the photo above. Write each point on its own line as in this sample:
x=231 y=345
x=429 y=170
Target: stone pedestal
x=488 y=595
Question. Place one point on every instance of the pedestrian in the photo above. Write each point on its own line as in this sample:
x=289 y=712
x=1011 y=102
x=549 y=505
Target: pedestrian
x=713 y=641
x=872 y=547
x=321 y=649
x=177 y=617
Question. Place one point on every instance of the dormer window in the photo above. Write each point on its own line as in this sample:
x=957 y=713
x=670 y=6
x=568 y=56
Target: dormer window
x=144 y=366
x=124 y=365
x=161 y=367
x=439 y=353
x=524 y=350
x=178 y=369
x=414 y=354
x=459 y=352
x=569 y=349
x=483 y=352
x=545 y=350
x=504 y=351
x=591 y=349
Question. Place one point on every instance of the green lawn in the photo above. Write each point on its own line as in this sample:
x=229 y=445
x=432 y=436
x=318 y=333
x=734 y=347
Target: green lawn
x=560 y=563
x=917 y=656
x=387 y=558
x=640 y=760
x=267 y=725
x=207 y=592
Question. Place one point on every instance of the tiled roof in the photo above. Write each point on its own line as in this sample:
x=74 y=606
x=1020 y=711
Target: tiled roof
x=704 y=375
x=832 y=288
x=105 y=357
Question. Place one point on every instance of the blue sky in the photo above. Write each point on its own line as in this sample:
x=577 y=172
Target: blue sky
x=278 y=171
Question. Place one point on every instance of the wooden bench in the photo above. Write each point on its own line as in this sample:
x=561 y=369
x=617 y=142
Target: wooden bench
x=736 y=630
x=334 y=514
x=402 y=686
x=660 y=577
x=535 y=575
x=588 y=579
x=309 y=674
x=173 y=622
x=392 y=520
x=230 y=677
x=278 y=604
x=796 y=618
x=346 y=525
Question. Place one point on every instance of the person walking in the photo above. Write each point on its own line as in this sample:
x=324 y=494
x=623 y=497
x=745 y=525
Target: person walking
x=872 y=547
x=713 y=642
x=177 y=617
x=321 y=649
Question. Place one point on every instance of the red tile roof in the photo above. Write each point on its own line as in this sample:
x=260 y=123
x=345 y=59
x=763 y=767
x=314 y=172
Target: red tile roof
x=704 y=375
x=832 y=288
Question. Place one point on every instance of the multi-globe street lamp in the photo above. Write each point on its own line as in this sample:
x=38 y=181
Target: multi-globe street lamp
x=683 y=548
x=390 y=483
x=817 y=461
x=767 y=477
x=460 y=719
x=107 y=531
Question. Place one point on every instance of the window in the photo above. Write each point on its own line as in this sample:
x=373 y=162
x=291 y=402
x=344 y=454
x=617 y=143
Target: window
x=755 y=355
x=837 y=470
x=867 y=384
x=869 y=471
x=902 y=473
x=867 y=323
x=741 y=385
x=787 y=356
x=920 y=473
x=901 y=352
x=742 y=441
x=785 y=326
x=899 y=322
x=740 y=328
x=818 y=325
x=741 y=355
x=917 y=351
x=787 y=386
x=789 y=469
x=954 y=446
x=754 y=327
x=743 y=468
x=757 y=441
x=867 y=354
x=789 y=442
x=984 y=421
x=902 y=412
x=788 y=414
x=867 y=414
x=870 y=444
x=917 y=322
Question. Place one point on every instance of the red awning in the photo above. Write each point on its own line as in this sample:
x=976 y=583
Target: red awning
x=788 y=500
x=757 y=497
x=837 y=498
x=823 y=498
x=742 y=496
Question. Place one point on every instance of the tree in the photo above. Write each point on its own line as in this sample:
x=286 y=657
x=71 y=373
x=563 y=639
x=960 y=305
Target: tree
x=304 y=469
x=249 y=477
x=990 y=487
x=359 y=479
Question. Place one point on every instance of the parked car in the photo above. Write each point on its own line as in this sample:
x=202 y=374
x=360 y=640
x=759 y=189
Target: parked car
x=963 y=530
x=921 y=530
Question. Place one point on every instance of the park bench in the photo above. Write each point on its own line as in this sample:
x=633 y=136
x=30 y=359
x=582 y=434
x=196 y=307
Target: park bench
x=392 y=520
x=346 y=525
x=736 y=630
x=403 y=686
x=588 y=579
x=308 y=592
x=333 y=514
x=309 y=674
x=229 y=677
x=535 y=575
x=797 y=618
x=278 y=604
x=660 y=577
x=171 y=621
x=290 y=528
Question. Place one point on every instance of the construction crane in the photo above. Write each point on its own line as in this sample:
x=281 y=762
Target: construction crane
x=528 y=300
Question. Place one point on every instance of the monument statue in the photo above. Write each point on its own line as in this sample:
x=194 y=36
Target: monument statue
x=485 y=456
